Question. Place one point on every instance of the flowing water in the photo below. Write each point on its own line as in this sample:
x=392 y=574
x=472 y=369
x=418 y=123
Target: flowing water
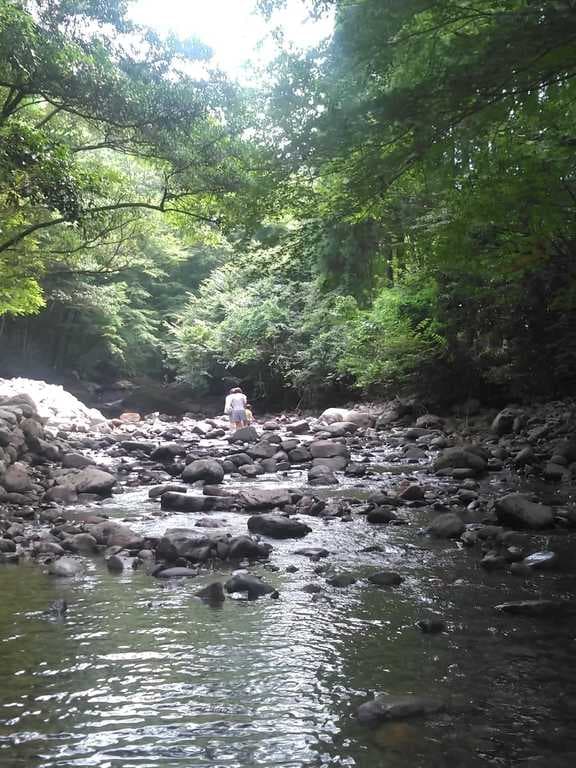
x=141 y=674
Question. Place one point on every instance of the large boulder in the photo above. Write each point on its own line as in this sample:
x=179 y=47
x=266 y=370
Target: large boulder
x=113 y=534
x=187 y=543
x=330 y=415
x=277 y=526
x=262 y=450
x=90 y=480
x=208 y=470
x=517 y=511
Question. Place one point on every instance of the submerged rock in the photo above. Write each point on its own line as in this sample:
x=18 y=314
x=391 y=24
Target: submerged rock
x=66 y=567
x=213 y=593
x=386 y=579
x=385 y=707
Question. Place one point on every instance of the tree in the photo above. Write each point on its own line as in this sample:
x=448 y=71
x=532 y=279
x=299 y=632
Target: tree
x=100 y=124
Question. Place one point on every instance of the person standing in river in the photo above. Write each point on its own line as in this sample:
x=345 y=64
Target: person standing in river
x=235 y=408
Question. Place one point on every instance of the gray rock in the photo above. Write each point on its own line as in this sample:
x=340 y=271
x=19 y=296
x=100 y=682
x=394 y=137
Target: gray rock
x=386 y=578
x=385 y=707
x=340 y=428
x=90 y=480
x=517 y=511
x=314 y=553
x=114 y=563
x=183 y=502
x=176 y=572
x=299 y=427
x=321 y=475
x=66 y=567
x=342 y=580
x=431 y=626
x=76 y=461
x=504 y=422
x=412 y=493
x=7 y=545
x=208 y=470
x=537 y=607
x=113 y=534
x=461 y=457
x=299 y=455
x=64 y=494
x=81 y=544
x=447 y=526
x=187 y=543
x=277 y=526
x=251 y=470
x=381 y=515
x=16 y=479
x=160 y=490
x=327 y=449
x=262 y=450
x=245 y=547
x=244 y=435
x=252 y=585
x=263 y=498
x=335 y=464
x=213 y=593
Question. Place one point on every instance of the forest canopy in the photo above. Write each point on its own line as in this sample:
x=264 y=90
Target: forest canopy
x=393 y=209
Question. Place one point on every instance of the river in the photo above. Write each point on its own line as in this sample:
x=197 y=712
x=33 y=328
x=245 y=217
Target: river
x=141 y=674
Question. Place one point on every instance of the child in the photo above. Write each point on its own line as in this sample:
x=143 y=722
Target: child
x=248 y=413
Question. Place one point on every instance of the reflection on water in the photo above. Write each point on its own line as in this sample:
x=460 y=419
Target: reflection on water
x=140 y=674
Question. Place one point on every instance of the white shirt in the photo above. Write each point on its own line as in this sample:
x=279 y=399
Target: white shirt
x=235 y=402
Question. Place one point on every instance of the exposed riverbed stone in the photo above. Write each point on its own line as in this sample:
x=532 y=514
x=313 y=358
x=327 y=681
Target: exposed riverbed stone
x=208 y=470
x=89 y=480
x=517 y=511
x=113 y=534
x=447 y=526
x=464 y=457
x=251 y=585
x=183 y=502
x=277 y=526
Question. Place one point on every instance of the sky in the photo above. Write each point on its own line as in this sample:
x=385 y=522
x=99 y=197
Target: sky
x=230 y=27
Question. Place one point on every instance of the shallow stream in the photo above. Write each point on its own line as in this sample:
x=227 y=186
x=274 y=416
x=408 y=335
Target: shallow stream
x=141 y=674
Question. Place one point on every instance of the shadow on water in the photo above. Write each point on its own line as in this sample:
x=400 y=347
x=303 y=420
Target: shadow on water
x=140 y=673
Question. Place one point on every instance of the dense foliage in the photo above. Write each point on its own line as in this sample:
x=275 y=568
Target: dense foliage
x=399 y=215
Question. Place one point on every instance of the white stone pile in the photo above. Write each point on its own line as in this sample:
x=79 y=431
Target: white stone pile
x=59 y=408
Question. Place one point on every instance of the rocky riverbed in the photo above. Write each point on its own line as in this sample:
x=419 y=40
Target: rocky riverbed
x=449 y=521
